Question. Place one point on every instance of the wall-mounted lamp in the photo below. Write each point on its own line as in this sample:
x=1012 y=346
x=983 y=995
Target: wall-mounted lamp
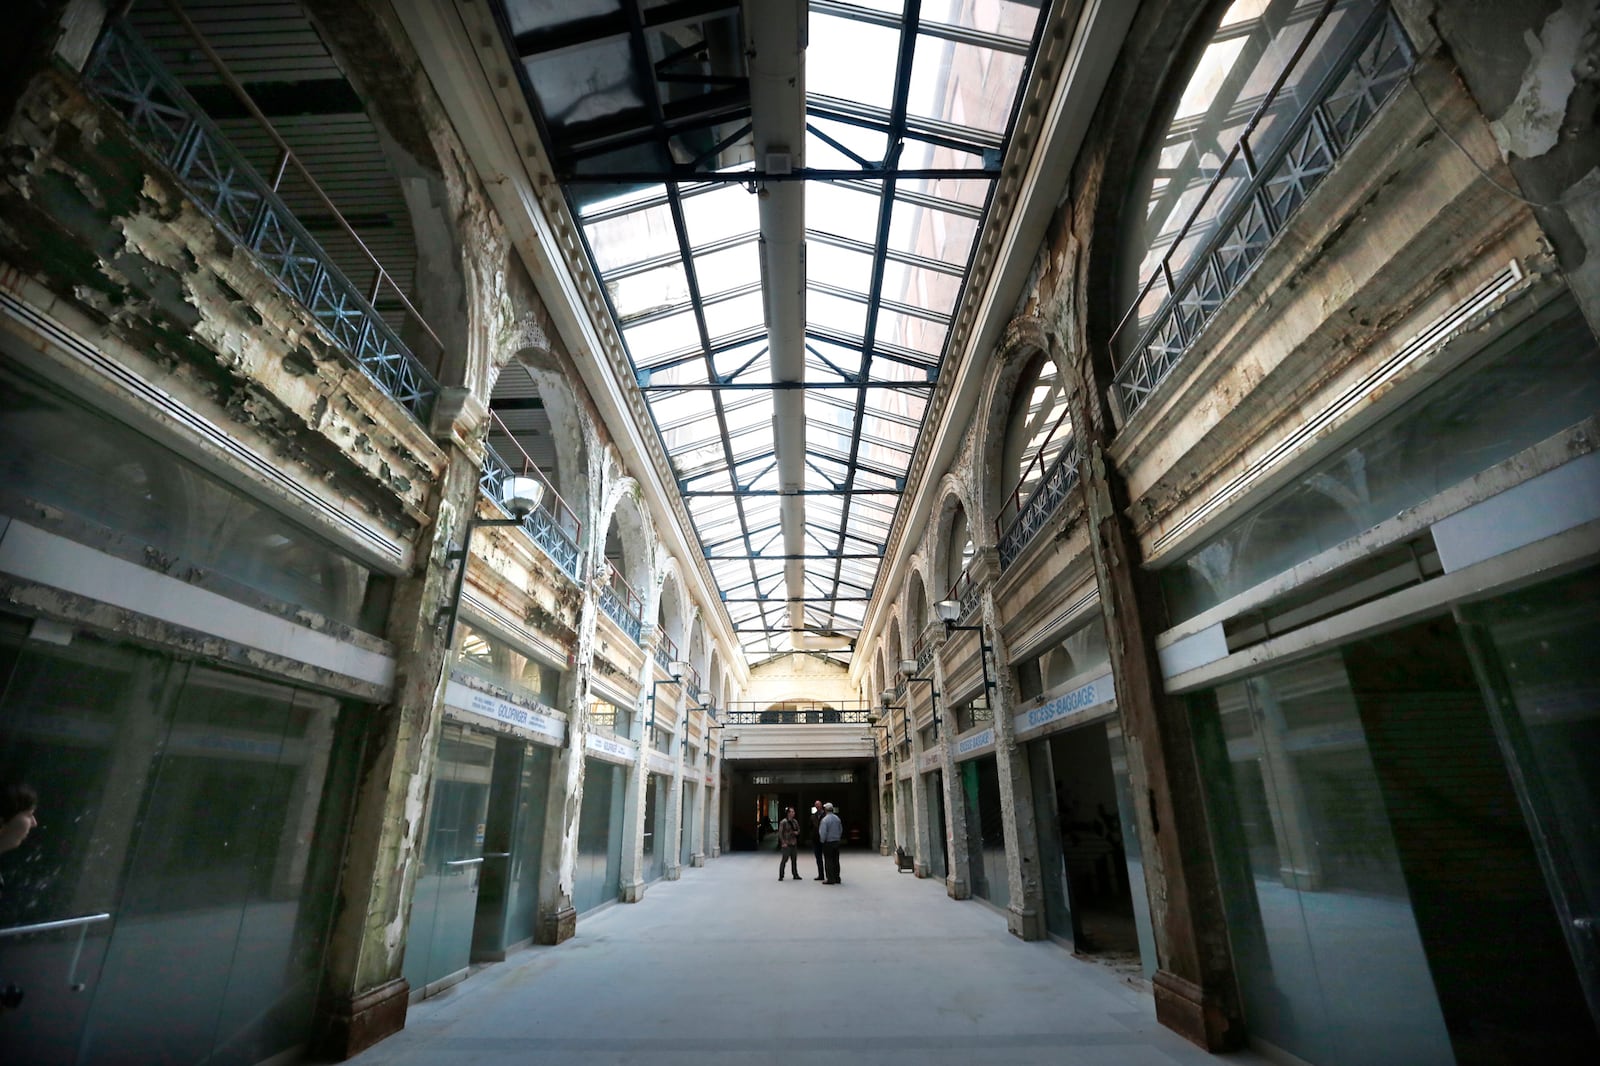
x=519 y=495
x=949 y=611
x=677 y=669
x=909 y=668
x=683 y=742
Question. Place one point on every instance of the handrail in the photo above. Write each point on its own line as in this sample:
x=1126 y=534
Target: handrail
x=621 y=603
x=1047 y=495
x=1227 y=161
x=666 y=649
x=163 y=116
x=553 y=501
x=1013 y=499
x=59 y=923
x=1207 y=280
x=964 y=590
x=288 y=156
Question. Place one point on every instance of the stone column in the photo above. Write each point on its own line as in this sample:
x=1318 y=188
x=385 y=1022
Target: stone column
x=1195 y=991
x=1025 y=911
x=672 y=858
x=958 y=845
x=558 y=864
x=922 y=842
x=364 y=997
x=883 y=766
x=635 y=801
x=714 y=826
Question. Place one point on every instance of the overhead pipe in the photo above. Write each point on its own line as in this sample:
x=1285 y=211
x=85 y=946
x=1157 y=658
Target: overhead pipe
x=776 y=43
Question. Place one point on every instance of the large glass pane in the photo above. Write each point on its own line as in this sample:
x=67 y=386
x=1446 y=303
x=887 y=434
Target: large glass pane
x=452 y=857
x=55 y=452
x=1326 y=945
x=854 y=60
x=1531 y=383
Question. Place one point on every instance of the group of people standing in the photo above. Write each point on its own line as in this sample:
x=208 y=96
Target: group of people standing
x=825 y=831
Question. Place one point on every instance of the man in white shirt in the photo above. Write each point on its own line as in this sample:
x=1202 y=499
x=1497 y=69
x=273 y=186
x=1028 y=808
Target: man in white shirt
x=830 y=830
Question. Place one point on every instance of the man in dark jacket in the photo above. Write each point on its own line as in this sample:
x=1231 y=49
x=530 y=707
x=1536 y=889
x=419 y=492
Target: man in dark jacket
x=788 y=839
x=816 y=838
x=831 y=830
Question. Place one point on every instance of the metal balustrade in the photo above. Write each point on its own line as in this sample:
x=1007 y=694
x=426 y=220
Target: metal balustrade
x=965 y=591
x=1370 y=69
x=553 y=526
x=803 y=712
x=166 y=120
x=666 y=651
x=621 y=604
x=1046 y=498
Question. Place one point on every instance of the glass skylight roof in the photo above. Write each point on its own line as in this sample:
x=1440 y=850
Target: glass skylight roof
x=645 y=108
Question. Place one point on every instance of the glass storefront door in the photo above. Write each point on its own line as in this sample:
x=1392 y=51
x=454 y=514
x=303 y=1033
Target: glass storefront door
x=201 y=811
x=444 y=904
x=598 y=871
x=938 y=840
x=1533 y=654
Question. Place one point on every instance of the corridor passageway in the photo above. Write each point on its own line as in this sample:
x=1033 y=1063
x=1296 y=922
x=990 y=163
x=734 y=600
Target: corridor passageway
x=730 y=966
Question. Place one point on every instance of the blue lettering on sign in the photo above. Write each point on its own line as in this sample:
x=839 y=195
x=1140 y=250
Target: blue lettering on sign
x=1068 y=704
x=976 y=741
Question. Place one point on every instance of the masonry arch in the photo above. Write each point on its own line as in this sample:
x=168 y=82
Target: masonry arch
x=956 y=540
x=1026 y=427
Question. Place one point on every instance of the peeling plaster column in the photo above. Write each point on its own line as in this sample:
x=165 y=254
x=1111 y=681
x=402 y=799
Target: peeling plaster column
x=558 y=865
x=958 y=843
x=671 y=865
x=1195 y=991
x=1025 y=911
x=697 y=815
x=364 y=996
x=714 y=826
x=922 y=842
x=635 y=797
x=883 y=764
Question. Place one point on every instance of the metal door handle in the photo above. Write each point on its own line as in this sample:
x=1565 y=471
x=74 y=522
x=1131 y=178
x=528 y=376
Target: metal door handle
x=465 y=862
x=497 y=855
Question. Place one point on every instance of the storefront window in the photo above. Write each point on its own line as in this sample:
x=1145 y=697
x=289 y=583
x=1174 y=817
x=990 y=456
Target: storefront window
x=203 y=810
x=1326 y=946
x=1535 y=381
x=56 y=452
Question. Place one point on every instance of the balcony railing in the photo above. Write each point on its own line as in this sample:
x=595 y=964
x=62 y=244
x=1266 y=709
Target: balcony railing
x=1046 y=498
x=922 y=650
x=666 y=651
x=621 y=604
x=167 y=121
x=801 y=712
x=965 y=591
x=553 y=525
x=1370 y=68
x=691 y=683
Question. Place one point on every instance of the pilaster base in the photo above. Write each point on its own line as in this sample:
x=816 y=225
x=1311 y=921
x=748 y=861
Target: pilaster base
x=1183 y=1007
x=631 y=891
x=697 y=860
x=716 y=851
x=1025 y=923
x=920 y=870
x=956 y=888
x=672 y=873
x=347 y=1027
x=884 y=849
x=557 y=926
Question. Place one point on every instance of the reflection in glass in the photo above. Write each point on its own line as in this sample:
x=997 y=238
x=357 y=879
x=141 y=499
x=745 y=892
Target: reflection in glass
x=1330 y=962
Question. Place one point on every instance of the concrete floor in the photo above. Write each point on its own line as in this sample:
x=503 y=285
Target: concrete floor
x=729 y=966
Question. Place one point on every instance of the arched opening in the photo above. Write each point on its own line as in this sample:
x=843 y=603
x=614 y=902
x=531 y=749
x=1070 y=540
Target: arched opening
x=1033 y=436
x=627 y=568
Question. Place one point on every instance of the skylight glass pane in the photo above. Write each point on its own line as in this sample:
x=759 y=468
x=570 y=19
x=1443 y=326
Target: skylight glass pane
x=851 y=60
x=649 y=341
x=836 y=313
x=844 y=211
x=689 y=372
x=843 y=267
x=749 y=362
x=650 y=291
x=921 y=287
x=964 y=84
x=587 y=82
x=886 y=369
x=1002 y=17
x=827 y=361
x=720 y=271
x=719 y=212
x=870 y=144
x=932 y=234
x=631 y=238
x=740 y=314
x=622 y=201
x=910 y=331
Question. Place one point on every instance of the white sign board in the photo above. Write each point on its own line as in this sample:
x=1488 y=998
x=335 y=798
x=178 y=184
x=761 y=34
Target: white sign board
x=610 y=748
x=1066 y=705
x=546 y=728
x=976 y=743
